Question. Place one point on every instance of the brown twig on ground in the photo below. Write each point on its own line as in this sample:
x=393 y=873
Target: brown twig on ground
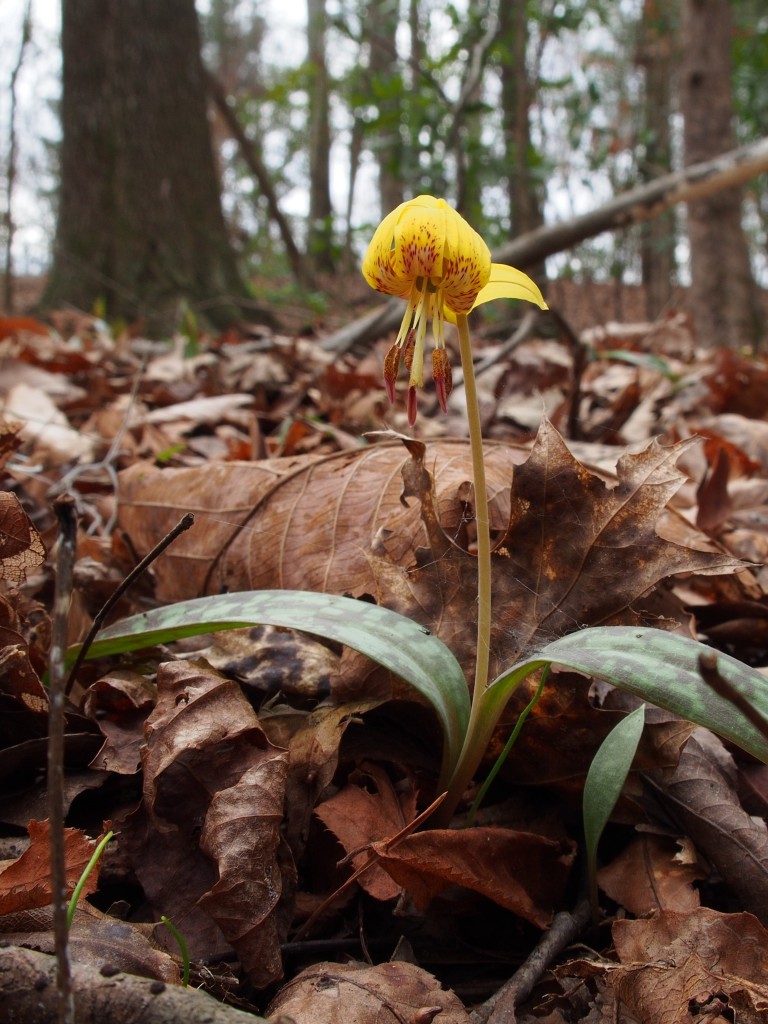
x=65 y=561
x=565 y=928
x=183 y=524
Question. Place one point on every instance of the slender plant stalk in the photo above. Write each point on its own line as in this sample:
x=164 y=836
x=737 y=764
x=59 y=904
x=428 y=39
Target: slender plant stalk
x=482 y=525
x=481 y=514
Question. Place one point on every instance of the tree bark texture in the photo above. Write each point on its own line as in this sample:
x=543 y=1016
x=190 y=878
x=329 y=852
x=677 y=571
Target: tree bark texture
x=140 y=223
x=320 y=235
x=723 y=292
x=656 y=55
x=524 y=194
x=386 y=91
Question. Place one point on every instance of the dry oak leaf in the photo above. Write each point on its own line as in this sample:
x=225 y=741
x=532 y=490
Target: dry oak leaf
x=26 y=883
x=206 y=842
x=395 y=526
x=675 y=966
x=21 y=547
x=391 y=993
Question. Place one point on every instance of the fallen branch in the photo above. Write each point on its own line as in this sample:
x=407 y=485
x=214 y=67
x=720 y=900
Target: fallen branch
x=28 y=993
x=640 y=204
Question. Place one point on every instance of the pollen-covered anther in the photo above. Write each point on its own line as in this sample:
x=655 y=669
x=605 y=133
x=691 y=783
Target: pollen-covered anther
x=408 y=349
x=442 y=376
x=391 y=366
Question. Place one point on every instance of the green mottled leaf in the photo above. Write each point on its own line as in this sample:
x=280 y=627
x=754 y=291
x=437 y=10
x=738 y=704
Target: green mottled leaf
x=605 y=780
x=661 y=668
x=397 y=643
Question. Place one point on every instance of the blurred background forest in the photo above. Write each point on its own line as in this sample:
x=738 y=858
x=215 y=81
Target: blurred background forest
x=236 y=156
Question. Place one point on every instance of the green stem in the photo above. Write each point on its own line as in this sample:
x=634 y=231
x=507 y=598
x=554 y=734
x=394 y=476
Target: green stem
x=482 y=521
x=482 y=525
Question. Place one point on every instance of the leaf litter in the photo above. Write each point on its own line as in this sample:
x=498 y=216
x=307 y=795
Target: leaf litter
x=247 y=778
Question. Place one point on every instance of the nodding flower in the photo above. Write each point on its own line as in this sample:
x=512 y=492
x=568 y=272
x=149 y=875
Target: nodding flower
x=426 y=253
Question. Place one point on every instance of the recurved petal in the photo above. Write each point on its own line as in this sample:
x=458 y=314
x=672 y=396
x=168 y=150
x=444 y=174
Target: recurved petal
x=380 y=267
x=507 y=283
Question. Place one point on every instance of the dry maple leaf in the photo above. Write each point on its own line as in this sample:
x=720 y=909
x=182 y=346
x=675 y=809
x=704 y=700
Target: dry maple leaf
x=571 y=550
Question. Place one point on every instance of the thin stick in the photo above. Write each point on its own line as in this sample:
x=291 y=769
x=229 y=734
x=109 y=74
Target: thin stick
x=565 y=929
x=67 y=519
x=183 y=524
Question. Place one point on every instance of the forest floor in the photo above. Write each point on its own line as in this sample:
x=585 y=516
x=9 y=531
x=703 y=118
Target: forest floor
x=248 y=773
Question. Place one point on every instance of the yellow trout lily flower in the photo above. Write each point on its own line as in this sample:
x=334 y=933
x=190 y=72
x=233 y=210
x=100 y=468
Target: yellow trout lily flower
x=425 y=252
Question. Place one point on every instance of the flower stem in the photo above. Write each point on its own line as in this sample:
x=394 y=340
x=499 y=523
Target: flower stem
x=481 y=513
x=474 y=745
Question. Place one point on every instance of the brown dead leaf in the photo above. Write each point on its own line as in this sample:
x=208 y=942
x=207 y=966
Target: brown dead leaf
x=676 y=965
x=570 y=550
x=391 y=993
x=359 y=816
x=701 y=797
x=312 y=741
x=521 y=871
x=26 y=883
x=119 y=704
x=648 y=875
x=206 y=842
x=21 y=547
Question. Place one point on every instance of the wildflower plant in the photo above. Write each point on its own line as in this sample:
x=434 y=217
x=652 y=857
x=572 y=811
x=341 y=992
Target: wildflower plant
x=425 y=253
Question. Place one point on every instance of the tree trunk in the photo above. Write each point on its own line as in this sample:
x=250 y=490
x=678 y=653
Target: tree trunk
x=656 y=55
x=384 y=66
x=320 y=233
x=723 y=292
x=525 y=200
x=140 y=223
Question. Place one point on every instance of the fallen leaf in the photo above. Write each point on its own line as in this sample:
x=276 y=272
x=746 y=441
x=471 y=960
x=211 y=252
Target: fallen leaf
x=206 y=842
x=521 y=871
x=21 y=547
x=647 y=876
x=359 y=816
x=570 y=550
x=701 y=797
x=675 y=966
x=26 y=883
x=392 y=993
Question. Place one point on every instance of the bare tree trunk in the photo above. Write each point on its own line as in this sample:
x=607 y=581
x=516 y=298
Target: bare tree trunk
x=384 y=66
x=140 y=223
x=320 y=233
x=525 y=200
x=723 y=292
x=656 y=54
